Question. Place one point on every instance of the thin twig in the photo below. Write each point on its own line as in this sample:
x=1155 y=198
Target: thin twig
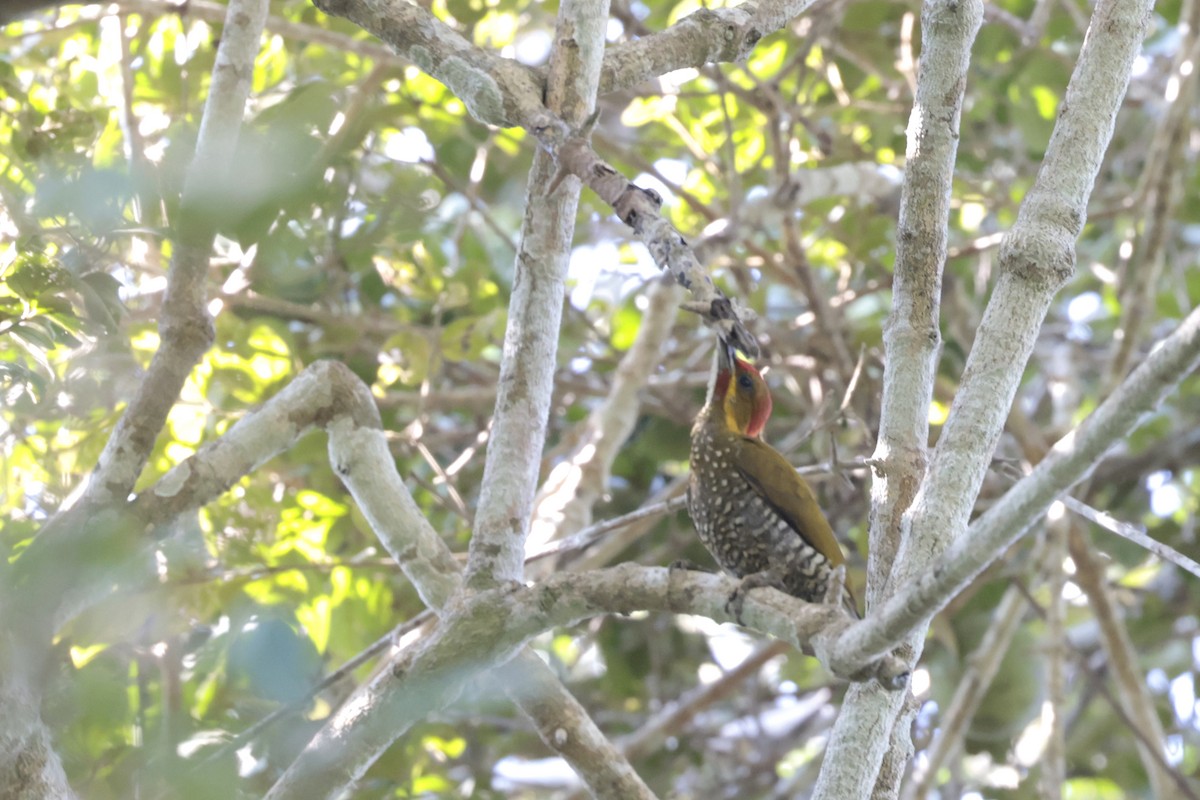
x=1132 y=534
x=1123 y=529
x=566 y=499
x=1070 y=460
x=593 y=533
x=299 y=704
x=456 y=498
x=1153 y=758
x=670 y=720
x=982 y=665
x=1054 y=644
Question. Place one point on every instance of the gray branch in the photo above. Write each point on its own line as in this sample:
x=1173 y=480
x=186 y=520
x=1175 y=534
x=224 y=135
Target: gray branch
x=523 y=396
x=498 y=91
x=565 y=501
x=486 y=629
x=1036 y=259
x=1070 y=461
x=911 y=342
x=185 y=328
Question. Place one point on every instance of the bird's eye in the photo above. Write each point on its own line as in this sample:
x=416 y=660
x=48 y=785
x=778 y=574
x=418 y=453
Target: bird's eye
x=744 y=382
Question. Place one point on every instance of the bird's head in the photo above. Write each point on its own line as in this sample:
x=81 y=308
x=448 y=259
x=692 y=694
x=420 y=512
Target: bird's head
x=741 y=392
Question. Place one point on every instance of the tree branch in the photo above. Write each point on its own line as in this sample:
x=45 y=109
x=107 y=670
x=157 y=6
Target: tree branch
x=498 y=91
x=593 y=533
x=107 y=540
x=514 y=452
x=301 y=704
x=361 y=457
x=215 y=12
x=911 y=337
x=703 y=37
x=1150 y=749
x=1157 y=195
x=485 y=629
x=1055 y=647
x=1132 y=534
x=565 y=726
x=1130 y=684
x=1036 y=258
x=982 y=665
x=566 y=499
x=327 y=395
x=601 y=551
x=648 y=739
x=911 y=342
x=185 y=328
x=1070 y=460
x=489 y=627
x=29 y=764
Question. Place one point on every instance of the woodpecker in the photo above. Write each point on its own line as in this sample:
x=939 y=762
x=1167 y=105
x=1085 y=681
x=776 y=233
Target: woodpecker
x=751 y=509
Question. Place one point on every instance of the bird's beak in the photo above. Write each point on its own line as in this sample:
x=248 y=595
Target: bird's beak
x=726 y=354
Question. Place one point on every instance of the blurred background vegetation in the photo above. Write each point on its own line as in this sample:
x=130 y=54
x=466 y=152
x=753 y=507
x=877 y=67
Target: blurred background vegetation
x=373 y=222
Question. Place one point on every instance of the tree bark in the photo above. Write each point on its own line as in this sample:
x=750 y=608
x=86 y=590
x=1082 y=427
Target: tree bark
x=1036 y=259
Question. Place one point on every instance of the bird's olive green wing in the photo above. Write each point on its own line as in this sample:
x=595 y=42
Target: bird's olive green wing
x=778 y=483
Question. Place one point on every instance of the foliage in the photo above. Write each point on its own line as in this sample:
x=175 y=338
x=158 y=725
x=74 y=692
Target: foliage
x=372 y=221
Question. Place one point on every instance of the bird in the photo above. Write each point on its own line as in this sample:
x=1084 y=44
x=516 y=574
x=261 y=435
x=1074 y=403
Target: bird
x=751 y=509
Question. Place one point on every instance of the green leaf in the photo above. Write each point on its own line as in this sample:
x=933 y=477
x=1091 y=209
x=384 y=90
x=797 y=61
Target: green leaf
x=15 y=380
x=465 y=338
x=625 y=325
x=31 y=331
x=1046 y=100
x=35 y=275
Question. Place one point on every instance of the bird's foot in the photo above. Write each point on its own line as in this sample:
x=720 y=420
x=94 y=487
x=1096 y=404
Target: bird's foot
x=836 y=585
x=679 y=564
x=735 y=602
x=754 y=580
x=837 y=593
